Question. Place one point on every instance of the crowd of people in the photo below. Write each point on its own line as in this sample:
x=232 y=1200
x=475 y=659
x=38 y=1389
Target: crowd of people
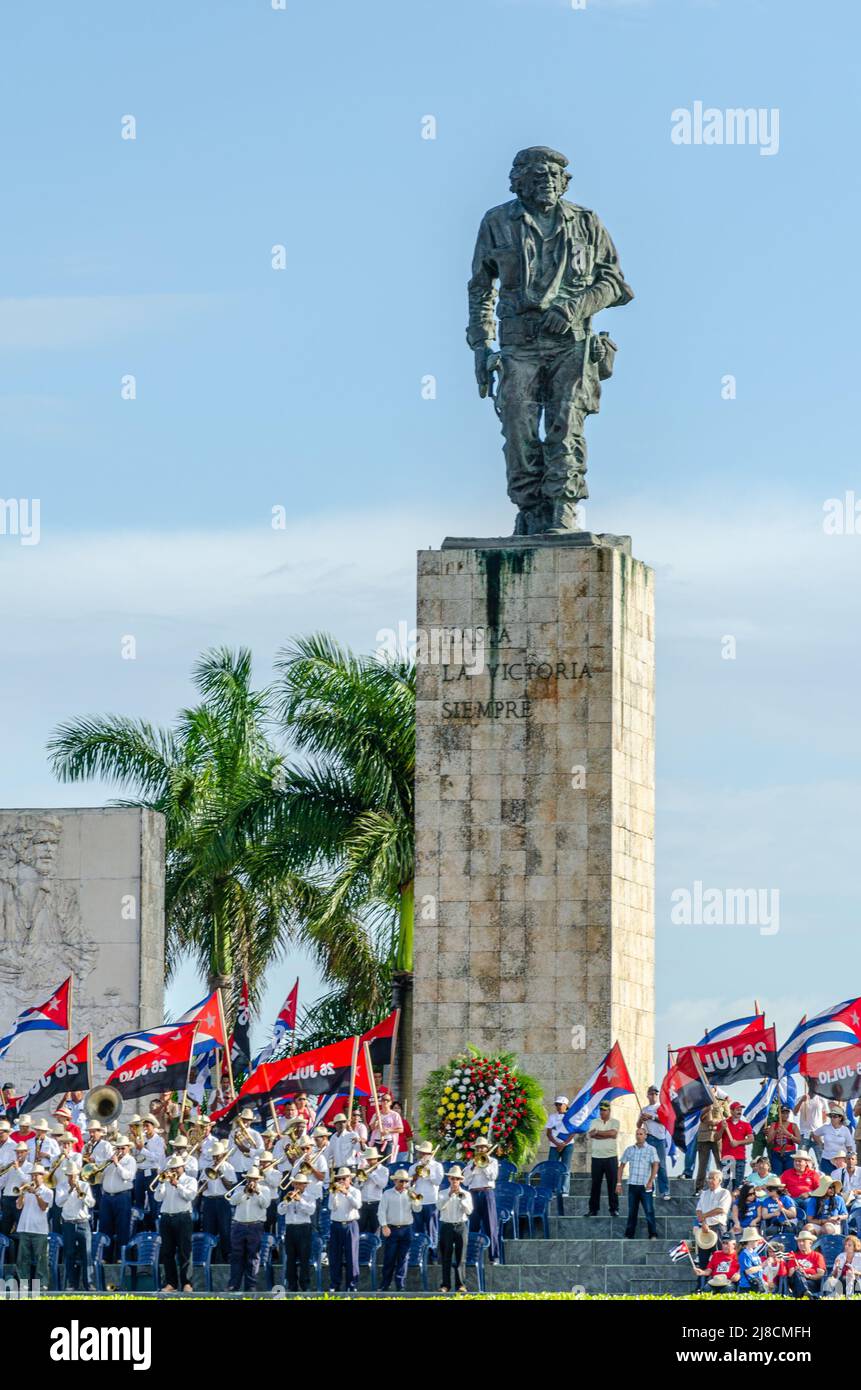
x=787 y=1220
x=359 y=1173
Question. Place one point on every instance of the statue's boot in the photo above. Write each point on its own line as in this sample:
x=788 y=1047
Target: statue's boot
x=563 y=518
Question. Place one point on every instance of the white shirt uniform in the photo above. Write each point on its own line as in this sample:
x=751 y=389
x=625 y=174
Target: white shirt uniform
x=344 y=1206
x=375 y=1185
x=298 y=1213
x=249 y=1207
x=342 y=1150
x=453 y=1209
x=7 y=1153
x=654 y=1128
x=397 y=1208
x=49 y=1149
x=217 y=1187
x=32 y=1220
x=242 y=1161
x=14 y=1178
x=315 y=1184
x=76 y=1206
x=100 y=1153
x=479 y=1179
x=119 y=1176
x=152 y=1156
x=204 y=1153
x=176 y=1200
x=427 y=1187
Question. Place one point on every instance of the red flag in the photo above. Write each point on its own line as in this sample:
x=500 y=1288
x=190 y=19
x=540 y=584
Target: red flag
x=323 y=1072
x=287 y=1016
x=71 y=1072
x=163 y=1069
x=750 y=1053
x=210 y=1024
x=683 y=1090
x=380 y=1039
x=834 y=1074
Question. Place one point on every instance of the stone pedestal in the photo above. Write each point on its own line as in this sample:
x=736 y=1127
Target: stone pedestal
x=535 y=807
x=81 y=894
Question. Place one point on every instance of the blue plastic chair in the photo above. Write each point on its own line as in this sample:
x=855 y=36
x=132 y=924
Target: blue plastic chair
x=829 y=1247
x=5 y=1247
x=55 y=1250
x=550 y=1177
x=476 y=1246
x=368 y=1247
x=324 y=1224
x=202 y=1246
x=419 y=1250
x=140 y=1255
x=98 y=1245
x=526 y=1209
x=508 y=1200
x=507 y=1170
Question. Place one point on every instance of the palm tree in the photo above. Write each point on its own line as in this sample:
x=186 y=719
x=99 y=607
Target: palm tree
x=210 y=776
x=345 y=819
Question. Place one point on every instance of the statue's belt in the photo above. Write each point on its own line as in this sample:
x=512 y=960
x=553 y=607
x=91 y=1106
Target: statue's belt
x=518 y=329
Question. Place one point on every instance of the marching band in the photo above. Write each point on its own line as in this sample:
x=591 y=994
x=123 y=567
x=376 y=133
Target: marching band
x=289 y=1180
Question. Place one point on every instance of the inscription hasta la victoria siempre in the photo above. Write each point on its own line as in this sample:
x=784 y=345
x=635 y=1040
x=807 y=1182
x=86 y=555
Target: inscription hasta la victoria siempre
x=515 y=671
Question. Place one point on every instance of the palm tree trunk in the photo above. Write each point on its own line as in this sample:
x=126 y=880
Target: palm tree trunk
x=402 y=998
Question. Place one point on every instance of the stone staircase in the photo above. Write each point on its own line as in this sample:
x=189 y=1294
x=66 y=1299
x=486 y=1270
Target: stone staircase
x=591 y=1252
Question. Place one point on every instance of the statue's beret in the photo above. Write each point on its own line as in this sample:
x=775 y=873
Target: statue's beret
x=534 y=152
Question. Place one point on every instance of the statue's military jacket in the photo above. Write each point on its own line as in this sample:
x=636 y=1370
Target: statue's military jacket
x=575 y=269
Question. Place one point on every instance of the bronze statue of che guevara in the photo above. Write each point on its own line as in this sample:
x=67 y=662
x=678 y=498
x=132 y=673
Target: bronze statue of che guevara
x=555 y=267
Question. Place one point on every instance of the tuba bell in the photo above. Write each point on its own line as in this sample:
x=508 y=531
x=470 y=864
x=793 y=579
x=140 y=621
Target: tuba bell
x=103 y=1103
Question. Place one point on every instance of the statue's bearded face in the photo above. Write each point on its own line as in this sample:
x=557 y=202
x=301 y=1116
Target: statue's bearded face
x=541 y=183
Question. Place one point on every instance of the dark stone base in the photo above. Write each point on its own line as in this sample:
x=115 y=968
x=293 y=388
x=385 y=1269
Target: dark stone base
x=539 y=542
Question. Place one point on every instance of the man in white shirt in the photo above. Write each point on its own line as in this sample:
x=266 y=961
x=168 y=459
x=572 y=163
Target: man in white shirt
x=151 y=1158
x=812 y=1112
x=371 y=1189
x=46 y=1149
x=479 y=1176
x=33 y=1207
x=248 y=1143
x=454 y=1204
x=115 y=1207
x=343 y=1147
x=250 y=1202
x=398 y=1206
x=714 y=1205
x=13 y=1178
x=851 y=1180
x=345 y=1202
x=656 y=1136
x=832 y=1138
x=298 y=1209
x=175 y=1197
x=74 y=1199
x=426 y=1175
x=8 y=1158
x=561 y=1144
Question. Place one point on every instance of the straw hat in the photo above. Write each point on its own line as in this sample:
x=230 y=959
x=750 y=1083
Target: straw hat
x=750 y=1235
x=705 y=1239
x=720 y=1281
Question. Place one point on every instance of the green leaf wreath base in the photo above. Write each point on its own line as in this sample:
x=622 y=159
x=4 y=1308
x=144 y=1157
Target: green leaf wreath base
x=455 y=1092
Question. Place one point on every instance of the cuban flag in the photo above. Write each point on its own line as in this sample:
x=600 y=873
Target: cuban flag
x=206 y=1013
x=840 y=1024
x=609 y=1080
x=681 y=1251
x=52 y=1017
x=285 y=1023
x=756 y=1110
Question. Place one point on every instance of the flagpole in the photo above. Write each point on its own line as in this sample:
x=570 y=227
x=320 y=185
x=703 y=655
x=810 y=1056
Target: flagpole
x=392 y=1054
x=353 y=1076
x=274 y=1113
x=69 y=1020
x=226 y=1048
x=187 y=1075
x=374 y=1092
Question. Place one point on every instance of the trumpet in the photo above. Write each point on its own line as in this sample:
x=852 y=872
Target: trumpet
x=165 y=1176
x=91 y=1171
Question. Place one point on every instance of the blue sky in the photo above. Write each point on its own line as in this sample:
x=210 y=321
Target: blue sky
x=302 y=387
